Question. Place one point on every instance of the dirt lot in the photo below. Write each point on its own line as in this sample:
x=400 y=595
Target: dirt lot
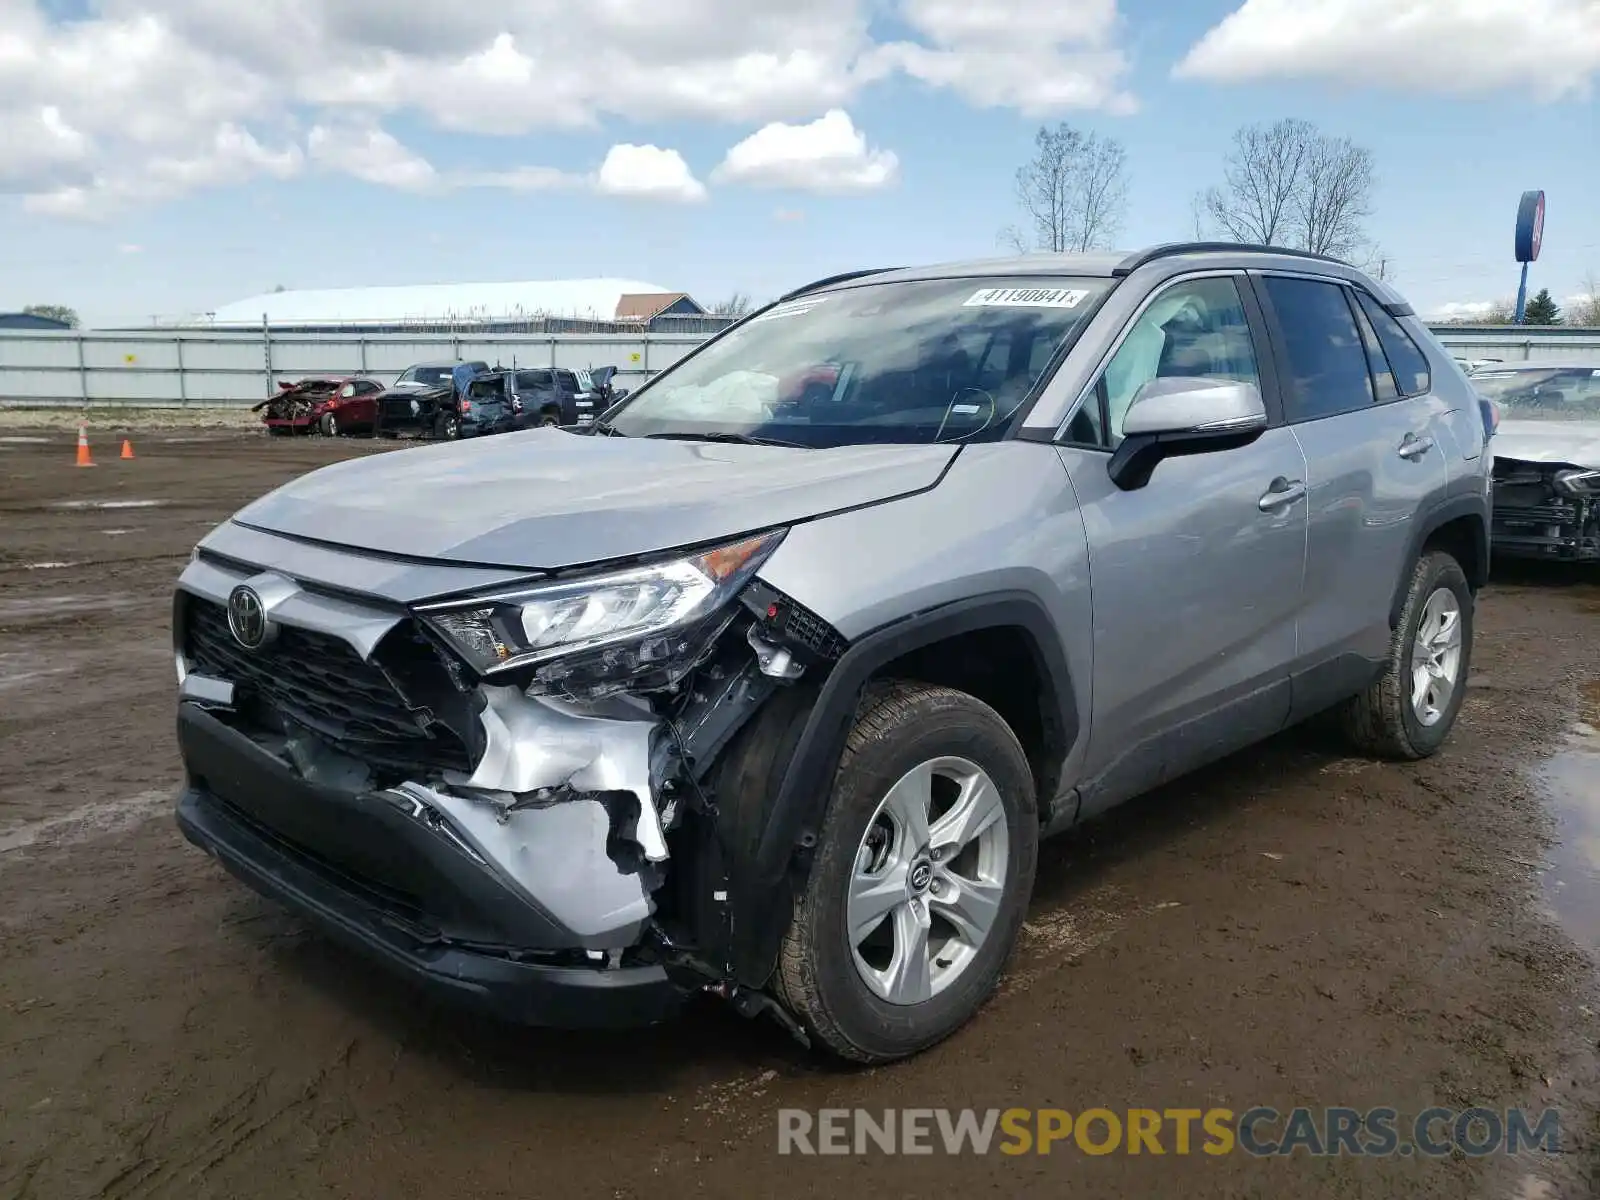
x=1291 y=927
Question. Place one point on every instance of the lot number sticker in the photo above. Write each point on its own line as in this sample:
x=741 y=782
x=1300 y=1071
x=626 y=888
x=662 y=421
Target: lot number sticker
x=1026 y=298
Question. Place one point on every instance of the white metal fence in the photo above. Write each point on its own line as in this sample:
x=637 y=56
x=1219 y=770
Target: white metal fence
x=199 y=367
x=168 y=367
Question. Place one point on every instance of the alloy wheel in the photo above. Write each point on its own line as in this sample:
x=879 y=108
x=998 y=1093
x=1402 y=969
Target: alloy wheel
x=928 y=880
x=1436 y=657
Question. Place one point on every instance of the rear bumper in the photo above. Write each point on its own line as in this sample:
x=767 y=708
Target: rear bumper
x=371 y=877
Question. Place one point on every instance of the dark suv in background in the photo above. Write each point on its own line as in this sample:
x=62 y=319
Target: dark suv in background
x=554 y=396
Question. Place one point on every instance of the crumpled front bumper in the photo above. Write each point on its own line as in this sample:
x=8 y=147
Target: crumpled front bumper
x=380 y=873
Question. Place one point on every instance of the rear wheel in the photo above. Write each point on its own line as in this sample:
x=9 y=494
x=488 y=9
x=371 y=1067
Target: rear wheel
x=921 y=876
x=1409 y=711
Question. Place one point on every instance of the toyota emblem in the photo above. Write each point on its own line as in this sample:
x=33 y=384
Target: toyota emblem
x=247 y=618
x=921 y=876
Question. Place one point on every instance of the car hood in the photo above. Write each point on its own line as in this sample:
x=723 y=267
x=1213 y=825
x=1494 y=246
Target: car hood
x=546 y=499
x=1575 y=442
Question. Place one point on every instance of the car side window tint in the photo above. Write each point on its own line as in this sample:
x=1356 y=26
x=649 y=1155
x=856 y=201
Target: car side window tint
x=1411 y=370
x=1195 y=329
x=1327 y=361
x=567 y=381
x=1383 y=380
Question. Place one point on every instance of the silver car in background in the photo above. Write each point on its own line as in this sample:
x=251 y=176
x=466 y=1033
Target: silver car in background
x=1547 y=460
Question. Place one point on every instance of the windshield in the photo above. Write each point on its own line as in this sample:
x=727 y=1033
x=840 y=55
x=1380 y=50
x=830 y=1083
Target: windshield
x=1543 y=394
x=432 y=376
x=929 y=361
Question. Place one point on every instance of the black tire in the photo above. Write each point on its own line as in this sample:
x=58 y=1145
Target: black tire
x=448 y=428
x=329 y=425
x=1383 y=721
x=550 y=418
x=898 y=727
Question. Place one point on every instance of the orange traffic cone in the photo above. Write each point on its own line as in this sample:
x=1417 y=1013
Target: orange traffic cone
x=83 y=447
x=127 y=448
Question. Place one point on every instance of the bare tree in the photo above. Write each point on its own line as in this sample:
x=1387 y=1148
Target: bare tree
x=1585 y=309
x=1261 y=177
x=1290 y=184
x=1073 y=192
x=1334 y=197
x=54 y=312
x=736 y=305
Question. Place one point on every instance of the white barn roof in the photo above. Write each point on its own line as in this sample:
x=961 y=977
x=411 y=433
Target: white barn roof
x=590 y=299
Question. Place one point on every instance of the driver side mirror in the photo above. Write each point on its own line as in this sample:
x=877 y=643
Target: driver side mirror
x=1174 y=417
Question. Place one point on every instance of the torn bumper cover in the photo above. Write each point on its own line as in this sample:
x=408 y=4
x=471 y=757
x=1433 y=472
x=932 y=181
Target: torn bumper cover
x=480 y=829
x=373 y=871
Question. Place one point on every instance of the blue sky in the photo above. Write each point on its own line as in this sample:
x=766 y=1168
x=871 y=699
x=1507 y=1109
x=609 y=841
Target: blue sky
x=170 y=217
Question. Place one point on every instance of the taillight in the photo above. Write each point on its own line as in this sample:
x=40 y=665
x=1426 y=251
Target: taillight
x=1491 y=416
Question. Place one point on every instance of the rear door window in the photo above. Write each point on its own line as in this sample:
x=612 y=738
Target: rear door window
x=566 y=381
x=1327 y=360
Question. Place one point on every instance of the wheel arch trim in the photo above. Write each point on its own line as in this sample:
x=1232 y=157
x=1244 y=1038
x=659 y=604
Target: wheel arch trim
x=1436 y=519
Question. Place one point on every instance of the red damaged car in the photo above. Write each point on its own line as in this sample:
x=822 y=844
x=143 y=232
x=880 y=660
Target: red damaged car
x=328 y=405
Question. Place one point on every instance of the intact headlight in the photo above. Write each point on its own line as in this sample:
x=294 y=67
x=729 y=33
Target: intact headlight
x=1581 y=483
x=608 y=628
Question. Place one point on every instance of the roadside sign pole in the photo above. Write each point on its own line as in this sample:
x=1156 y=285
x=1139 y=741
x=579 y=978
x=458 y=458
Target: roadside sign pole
x=1530 y=236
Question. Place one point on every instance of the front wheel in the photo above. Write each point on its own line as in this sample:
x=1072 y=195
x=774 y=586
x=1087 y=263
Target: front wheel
x=330 y=425
x=1409 y=711
x=450 y=427
x=921 y=876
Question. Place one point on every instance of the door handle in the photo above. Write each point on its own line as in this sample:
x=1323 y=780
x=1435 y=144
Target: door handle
x=1281 y=494
x=1414 y=447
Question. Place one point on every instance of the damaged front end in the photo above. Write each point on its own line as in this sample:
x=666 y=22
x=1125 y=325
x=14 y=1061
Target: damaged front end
x=516 y=778
x=296 y=406
x=1546 y=510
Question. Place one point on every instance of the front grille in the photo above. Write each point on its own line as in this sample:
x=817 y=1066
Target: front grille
x=318 y=681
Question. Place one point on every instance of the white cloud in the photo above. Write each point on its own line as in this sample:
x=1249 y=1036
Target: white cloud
x=1460 y=310
x=828 y=155
x=371 y=155
x=136 y=83
x=230 y=155
x=648 y=172
x=1031 y=55
x=1547 y=48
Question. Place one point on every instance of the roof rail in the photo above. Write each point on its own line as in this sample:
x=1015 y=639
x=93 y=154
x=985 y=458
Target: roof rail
x=1171 y=249
x=832 y=279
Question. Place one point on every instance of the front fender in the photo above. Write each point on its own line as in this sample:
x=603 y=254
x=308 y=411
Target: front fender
x=765 y=884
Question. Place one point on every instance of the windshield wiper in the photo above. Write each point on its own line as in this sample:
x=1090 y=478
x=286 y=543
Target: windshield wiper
x=737 y=439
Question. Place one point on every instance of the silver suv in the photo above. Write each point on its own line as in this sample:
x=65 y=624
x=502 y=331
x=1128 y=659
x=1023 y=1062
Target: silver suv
x=769 y=684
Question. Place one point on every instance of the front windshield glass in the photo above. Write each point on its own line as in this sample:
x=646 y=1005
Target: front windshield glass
x=1544 y=393
x=943 y=360
x=432 y=376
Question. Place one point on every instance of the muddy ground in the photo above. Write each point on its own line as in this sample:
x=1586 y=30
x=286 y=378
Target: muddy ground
x=1293 y=926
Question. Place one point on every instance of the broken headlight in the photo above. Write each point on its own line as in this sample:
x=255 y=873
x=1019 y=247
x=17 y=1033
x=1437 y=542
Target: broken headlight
x=599 y=632
x=1580 y=484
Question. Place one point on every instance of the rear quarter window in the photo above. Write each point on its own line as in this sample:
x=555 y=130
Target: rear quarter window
x=1412 y=374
